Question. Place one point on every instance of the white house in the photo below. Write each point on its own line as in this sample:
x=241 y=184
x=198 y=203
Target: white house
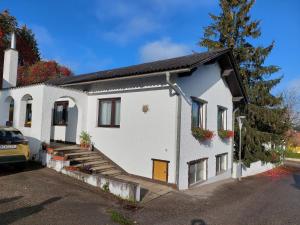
x=140 y=116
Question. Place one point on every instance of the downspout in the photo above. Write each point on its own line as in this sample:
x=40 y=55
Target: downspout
x=178 y=125
x=232 y=145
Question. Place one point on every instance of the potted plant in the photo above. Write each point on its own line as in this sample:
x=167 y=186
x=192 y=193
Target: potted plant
x=225 y=134
x=85 y=140
x=202 y=134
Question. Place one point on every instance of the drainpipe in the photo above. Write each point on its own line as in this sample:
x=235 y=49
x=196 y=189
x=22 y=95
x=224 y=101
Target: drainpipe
x=232 y=145
x=178 y=125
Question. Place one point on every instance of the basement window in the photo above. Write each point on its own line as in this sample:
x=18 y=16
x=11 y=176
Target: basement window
x=109 y=112
x=197 y=171
x=221 y=163
x=60 y=114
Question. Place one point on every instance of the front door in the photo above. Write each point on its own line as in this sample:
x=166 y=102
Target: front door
x=160 y=170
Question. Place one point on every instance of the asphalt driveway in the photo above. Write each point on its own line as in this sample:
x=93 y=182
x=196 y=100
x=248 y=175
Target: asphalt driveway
x=42 y=196
x=272 y=198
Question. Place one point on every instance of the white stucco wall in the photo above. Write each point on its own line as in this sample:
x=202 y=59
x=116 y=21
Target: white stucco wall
x=33 y=133
x=205 y=83
x=42 y=106
x=141 y=136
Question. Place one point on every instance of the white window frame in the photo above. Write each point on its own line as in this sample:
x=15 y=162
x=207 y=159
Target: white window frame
x=224 y=117
x=219 y=169
x=202 y=113
x=205 y=172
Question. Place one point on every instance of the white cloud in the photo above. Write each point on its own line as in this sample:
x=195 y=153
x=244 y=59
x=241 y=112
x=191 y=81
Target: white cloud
x=128 y=20
x=162 y=49
x=42 y=35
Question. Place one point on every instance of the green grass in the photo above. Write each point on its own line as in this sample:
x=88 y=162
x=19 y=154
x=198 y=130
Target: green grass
x=294 y=155
x=119 y=218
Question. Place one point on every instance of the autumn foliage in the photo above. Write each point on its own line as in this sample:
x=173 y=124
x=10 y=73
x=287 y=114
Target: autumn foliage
x=31 y=69
x=40 y=72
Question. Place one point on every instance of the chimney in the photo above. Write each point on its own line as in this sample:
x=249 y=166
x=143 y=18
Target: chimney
x=10 y=65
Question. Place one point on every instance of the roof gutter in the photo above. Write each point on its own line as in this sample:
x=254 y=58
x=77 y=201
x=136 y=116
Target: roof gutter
x=129 y=77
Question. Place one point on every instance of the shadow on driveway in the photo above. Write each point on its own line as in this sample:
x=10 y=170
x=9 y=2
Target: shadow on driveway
x=7 y=200
x=17 y=214
x=296 y=177
x=9 y=169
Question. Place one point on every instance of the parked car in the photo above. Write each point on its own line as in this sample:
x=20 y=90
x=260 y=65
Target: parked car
x=14 y=148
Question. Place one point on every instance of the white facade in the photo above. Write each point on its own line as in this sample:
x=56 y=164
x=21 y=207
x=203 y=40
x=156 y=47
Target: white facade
x=142 y=136
x=43 y=98
x=206 y=84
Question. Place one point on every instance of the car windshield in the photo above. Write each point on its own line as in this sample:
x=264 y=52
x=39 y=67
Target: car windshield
x=10 y=137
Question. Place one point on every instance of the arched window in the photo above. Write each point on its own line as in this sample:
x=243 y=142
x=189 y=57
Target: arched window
x=11 y=103
x=27 y=101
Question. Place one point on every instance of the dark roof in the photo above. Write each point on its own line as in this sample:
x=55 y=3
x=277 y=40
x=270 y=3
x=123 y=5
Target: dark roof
x=185 y=62
x=189 y=61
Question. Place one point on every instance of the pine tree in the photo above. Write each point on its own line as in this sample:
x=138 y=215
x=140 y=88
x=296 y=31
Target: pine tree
x=266 y=121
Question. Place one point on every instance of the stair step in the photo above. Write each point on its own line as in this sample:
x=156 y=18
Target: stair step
x=98 y=162
x=67 y=148
x=103 y=167
x=81 y=153
x=114 y=172
x=86 y=158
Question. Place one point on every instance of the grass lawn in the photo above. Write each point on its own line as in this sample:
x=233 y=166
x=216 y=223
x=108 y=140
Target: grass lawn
x=294 y=155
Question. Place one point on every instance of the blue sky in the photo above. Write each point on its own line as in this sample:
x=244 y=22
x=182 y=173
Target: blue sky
x=93 y=35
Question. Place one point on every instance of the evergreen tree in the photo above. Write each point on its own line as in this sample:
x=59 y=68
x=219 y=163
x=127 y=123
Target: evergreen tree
x=266 y=121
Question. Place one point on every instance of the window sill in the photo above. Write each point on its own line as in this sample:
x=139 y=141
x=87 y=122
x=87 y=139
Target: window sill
x=197 y=183
x=60 y=125
x=108 y=126
x=221 y=172
x=26 y=125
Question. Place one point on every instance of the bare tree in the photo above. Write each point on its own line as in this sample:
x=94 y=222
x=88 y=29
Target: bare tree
x=291 y=98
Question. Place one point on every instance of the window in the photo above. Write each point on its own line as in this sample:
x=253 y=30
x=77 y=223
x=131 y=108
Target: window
x=221 y=163
x=60 y=113
x=11 y=112
x=198 y=113
x=197 y=171
x=28 y=115
x=222 y=118
x=109 y=112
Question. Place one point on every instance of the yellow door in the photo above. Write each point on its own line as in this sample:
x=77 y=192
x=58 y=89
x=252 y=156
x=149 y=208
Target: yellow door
x=160 y=170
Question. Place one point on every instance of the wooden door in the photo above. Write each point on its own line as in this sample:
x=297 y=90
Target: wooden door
x=160 y=170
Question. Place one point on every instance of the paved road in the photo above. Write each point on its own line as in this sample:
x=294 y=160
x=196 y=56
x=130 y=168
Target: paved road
x=272 y=198
x=42 y=196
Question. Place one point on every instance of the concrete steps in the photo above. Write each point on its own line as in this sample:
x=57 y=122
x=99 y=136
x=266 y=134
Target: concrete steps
x=97 y=162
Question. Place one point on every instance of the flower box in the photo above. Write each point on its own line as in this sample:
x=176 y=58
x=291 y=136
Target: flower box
x=225 y=134
x=202 y=134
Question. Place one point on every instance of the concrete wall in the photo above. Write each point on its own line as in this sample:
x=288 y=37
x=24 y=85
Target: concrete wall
x=255 y=168
x=141 y=136
x=205 y=83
